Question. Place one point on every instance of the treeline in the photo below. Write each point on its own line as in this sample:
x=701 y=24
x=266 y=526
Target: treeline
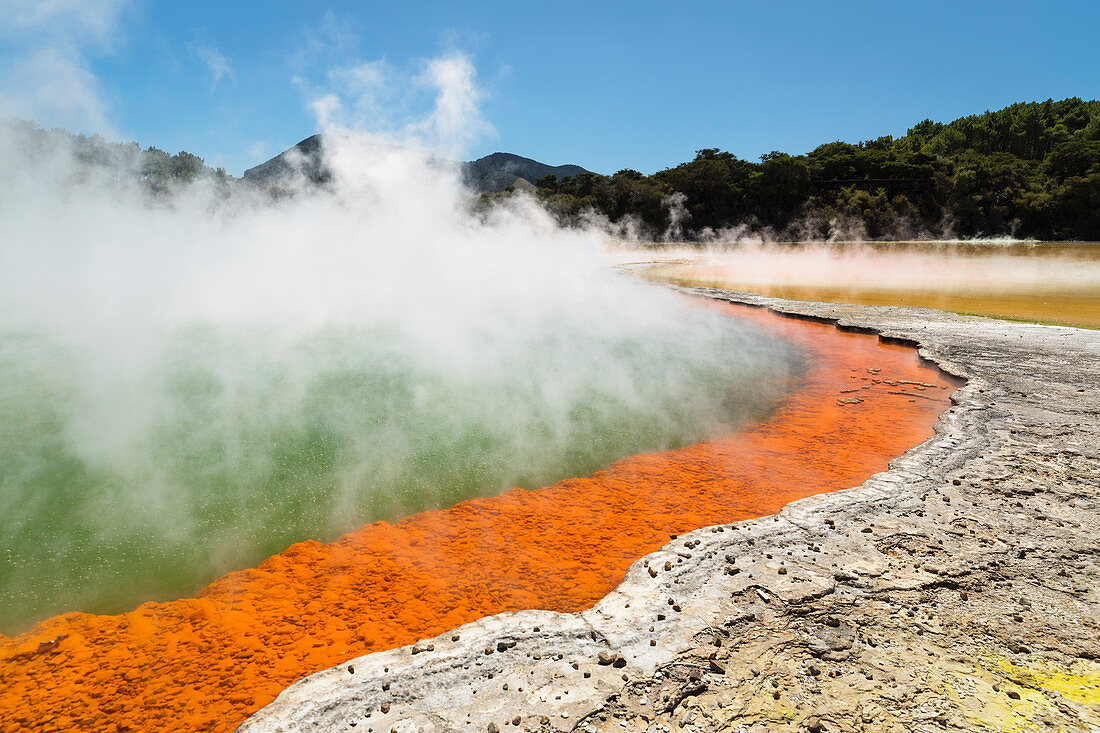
x=93 y=160
x=1028 y=170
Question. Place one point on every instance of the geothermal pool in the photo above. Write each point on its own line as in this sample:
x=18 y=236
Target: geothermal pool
x=1048 y=282
x=207 y=662
x=228 y=443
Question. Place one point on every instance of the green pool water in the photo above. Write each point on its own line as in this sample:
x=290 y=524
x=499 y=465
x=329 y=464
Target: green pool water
x=130 y=477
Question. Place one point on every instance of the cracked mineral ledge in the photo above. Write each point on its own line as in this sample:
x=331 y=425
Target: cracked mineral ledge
x=957 y=590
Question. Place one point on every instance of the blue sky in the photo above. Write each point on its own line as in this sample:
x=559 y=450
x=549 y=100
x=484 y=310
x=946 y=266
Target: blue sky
x=607 y=85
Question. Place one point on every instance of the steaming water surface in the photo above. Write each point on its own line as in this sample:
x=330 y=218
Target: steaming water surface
x=194 y=379
x=251 y=439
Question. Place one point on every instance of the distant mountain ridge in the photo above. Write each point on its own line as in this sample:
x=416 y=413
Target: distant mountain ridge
x=306 y=156
x=496 y=172
x=490 y=174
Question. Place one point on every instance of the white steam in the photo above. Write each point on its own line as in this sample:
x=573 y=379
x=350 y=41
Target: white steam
x=376 y=103
x=189 y=383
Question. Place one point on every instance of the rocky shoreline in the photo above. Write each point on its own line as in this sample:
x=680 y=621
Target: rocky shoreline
x=960 y=589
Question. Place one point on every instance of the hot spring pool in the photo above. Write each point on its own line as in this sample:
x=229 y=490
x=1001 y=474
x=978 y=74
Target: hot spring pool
x=227 y=444
x=209 y=661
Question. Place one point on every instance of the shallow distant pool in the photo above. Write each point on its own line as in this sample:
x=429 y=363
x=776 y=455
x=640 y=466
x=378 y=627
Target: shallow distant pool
x=1047 y=282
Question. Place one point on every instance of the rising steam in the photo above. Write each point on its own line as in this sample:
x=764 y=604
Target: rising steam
x=190 y=383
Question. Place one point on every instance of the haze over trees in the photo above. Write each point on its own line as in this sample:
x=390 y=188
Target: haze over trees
x=94 y=160
x=1028 y=170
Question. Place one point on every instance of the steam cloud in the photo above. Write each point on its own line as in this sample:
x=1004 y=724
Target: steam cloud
x=192 y=383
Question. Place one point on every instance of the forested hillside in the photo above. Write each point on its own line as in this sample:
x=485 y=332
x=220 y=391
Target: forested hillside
x=1029 y=170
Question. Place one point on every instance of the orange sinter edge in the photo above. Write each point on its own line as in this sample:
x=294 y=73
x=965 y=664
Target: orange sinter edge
x=207 y=663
